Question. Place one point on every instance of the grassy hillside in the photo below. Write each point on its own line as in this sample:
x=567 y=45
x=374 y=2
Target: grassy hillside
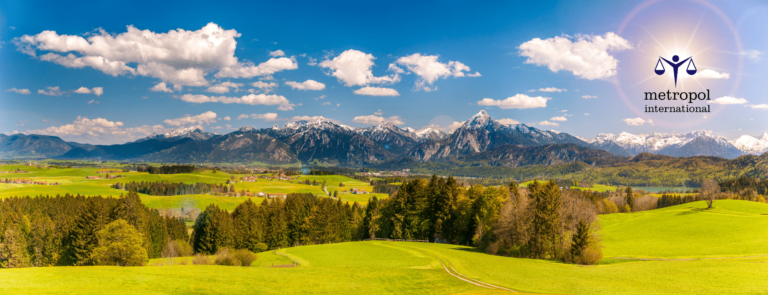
x=399 y=267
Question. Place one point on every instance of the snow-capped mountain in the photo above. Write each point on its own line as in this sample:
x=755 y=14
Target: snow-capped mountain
x=695 y=143
x=482 y=133
x=430 y=134
x=194 y=133
x=751 y=145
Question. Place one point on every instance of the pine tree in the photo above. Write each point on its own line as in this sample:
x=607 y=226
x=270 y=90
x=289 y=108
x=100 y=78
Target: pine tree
x=248 y=227
x=91 y=219
x=13 y=249
x=630 y=198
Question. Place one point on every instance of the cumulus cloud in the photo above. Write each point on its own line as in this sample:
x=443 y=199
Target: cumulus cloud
x=204 y=118
x=19 y=91
x=327 y=103
x=277 y=53
x=547 y=123
x=552 y=89
x=264 y=86
x=728 y=100
x=588 y=96
x=223 y=87
x=376 y=91
x=561 y=118
x=52 y=91
x=161 y=87
x=93 y=101
x=266 y=117
x=519 y=101
x=353 y=68
x=378 y=112
x=585 y=56
x=637 y=121
x=306 y=85
x=375 y=120
x=98 y=131
x=251 y=99
x=711 y=74
x=429 y=69
x=227 y=118
x=96 y=90
x=586 y=114
x=179 y=56
x=242 y=116
x=507 y=121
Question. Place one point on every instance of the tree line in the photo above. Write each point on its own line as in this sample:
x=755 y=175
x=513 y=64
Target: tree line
x=165 y=188
x=64 y=230
x=167 y=169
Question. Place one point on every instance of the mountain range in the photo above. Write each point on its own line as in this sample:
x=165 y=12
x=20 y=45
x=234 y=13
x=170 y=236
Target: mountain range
x=479 y=139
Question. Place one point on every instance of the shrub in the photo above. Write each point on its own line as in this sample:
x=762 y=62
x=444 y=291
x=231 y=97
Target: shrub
x=626 y=209
x=261 y=247
x=244 y=256
x=200 y=259
x=241 y=257
x=120 y=244
x=610 y=207
x=761 y=199
x=184 y=248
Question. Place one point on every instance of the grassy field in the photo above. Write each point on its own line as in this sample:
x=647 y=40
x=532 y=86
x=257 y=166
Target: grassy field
x=73 y=181
x=684 y=236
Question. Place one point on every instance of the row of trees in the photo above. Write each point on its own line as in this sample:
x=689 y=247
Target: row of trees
x=172 y=169
x=300 y=219
x=64 y=230
x=165 y=188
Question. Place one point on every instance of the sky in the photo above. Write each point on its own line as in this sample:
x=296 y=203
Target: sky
x=112 y=72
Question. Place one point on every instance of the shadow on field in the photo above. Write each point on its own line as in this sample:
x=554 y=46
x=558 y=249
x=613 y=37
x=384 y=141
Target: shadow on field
x=692 y=211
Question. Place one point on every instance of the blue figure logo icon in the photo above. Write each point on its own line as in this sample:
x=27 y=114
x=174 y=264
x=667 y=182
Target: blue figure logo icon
x=691 y=69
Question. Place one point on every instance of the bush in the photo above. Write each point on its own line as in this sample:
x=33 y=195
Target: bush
x=200 y=259
x=609 y=207
x=261 y=247
x=626 y=209
x=241 y=257
x=120 y=244
x=184 y=248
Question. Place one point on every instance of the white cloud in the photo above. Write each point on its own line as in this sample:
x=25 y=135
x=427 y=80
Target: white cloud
x=178 y=56
x=327 y=103
x=19 y=91
x=429 y=69
x=249 y=70
x=242 y=116
x=353 y=68
x=758 y=106
x=161 y=87
x=728 y=100
x=547 y=123
x=266 y=117
x=93 y=101
x=552 y=89
x=52 y=91
x=98 y=131
x=637 y=121
x=227 y=118
x=561 y=118
x=588 y=96
x=306 y=85
x=586 y=114
x=265 y=86
x=519 y=101
x=376 y=91
x=563 y=111
x=320 y=97
x=586 y=56
x=378 y=112
x=223 y=87
x=204 y=118
x=507 y=121
x=711 y=74
x=375 y=120
x=277 y=53
x=251 y=99
x=84 y=90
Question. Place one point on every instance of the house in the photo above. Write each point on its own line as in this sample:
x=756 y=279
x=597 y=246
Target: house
x=249 y=179
x=260 y=194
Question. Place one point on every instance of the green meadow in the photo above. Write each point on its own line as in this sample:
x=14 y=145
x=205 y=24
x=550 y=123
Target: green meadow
x=685 y=249
x=73 y=181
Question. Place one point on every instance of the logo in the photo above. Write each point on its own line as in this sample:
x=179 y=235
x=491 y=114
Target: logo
x=691 y=68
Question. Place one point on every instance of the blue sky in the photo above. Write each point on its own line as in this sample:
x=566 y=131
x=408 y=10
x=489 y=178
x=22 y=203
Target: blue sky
x=444 y=61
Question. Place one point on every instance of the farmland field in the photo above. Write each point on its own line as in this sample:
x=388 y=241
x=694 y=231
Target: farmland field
x=73 y=181
x=683 y=249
